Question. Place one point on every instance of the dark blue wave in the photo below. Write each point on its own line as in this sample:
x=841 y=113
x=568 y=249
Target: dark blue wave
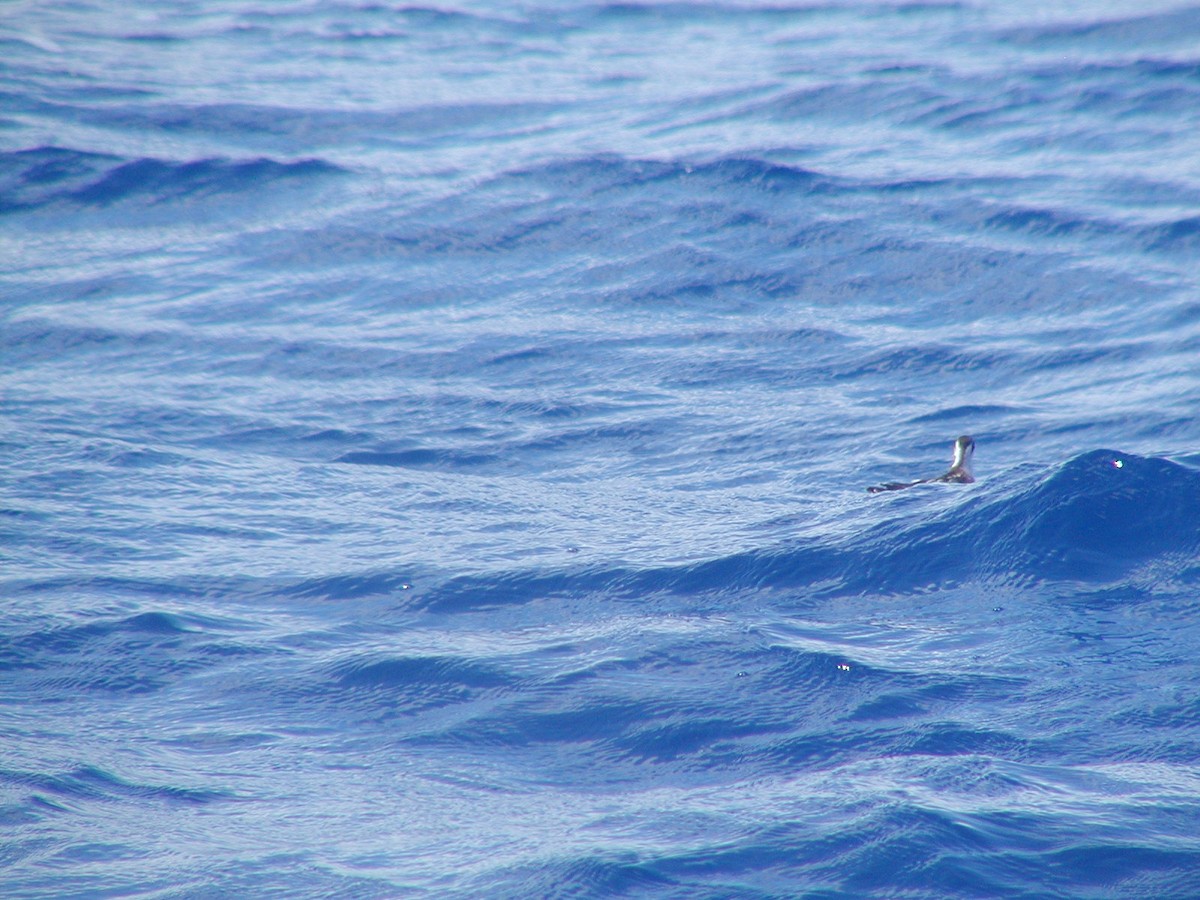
x=586 y=877
x=1089 y=521
x=406 y=685
x=54 y=176
x=90 y=783
x=1178 y=236
x=303 y=130
x=1052 y=223
x=422 y=458
x=132 y=655
x=1098 y=519
x=1170 y=27
x=32 y=340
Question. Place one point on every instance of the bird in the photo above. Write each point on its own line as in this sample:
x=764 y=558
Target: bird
x=960 y=470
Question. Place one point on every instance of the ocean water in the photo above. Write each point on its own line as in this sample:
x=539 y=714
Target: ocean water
x=435 y=441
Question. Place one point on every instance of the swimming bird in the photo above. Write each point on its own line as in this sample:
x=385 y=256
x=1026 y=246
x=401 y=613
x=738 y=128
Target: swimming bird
x=960 y=470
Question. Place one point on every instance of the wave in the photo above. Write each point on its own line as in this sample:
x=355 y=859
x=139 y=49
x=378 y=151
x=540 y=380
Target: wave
x=86 y=784
x=1099 y=518
x=1177 y=236
x=29 y=341
x=1101 y=521
x=129 y=655
x=283 y=128
x=1102 y=518
x=408 y=684
x=1173 y=27
x=55 y=176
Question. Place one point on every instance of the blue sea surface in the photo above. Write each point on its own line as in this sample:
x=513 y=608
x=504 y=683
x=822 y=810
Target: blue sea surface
x=435 y=441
